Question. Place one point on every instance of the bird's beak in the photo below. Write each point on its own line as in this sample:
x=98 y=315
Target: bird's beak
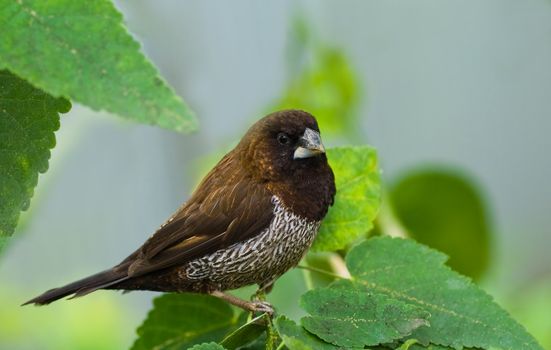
x=309 y=145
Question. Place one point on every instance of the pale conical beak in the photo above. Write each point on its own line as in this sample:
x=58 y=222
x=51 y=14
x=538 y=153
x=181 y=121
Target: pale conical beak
x=309 y=145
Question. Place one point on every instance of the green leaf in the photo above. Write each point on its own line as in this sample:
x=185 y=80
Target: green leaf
x=412 y=344
x=3 y=242
x=178 y=321
x=245 y=334
x=357 y=200
x=28 y=119
x=327 y=88
x=462 y=315
x=531 y=305
x=207 y=346
x=81 y=50
x=429 y=347
x=297 y=338
x=258 y=344
x=348 y=314
x=445 y=210
x=407 y=344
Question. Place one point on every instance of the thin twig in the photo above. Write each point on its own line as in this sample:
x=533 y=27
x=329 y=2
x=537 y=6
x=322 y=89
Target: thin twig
x=281 y=346
x=307 y=279
x=271 y=333
x=320 y=271
x=388 y=221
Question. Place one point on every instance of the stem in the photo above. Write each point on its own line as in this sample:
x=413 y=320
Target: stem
x=320 y=271
x=271 y=334
x=307 y=278
x=388 y=222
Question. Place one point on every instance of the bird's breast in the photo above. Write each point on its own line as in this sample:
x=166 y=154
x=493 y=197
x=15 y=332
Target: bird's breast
x=261 y=258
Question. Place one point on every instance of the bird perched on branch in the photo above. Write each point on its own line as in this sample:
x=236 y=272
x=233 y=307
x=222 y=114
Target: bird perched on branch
x=252 y=218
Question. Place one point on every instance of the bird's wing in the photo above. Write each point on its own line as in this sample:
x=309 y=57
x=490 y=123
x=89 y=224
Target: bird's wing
x=223 y=210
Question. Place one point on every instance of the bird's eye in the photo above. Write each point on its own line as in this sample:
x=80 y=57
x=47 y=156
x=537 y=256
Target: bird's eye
x=283 y=138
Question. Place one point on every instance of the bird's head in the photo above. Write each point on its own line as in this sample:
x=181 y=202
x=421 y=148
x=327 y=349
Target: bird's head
x=283 y=144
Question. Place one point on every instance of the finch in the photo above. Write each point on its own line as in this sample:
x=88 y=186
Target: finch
x=253 y=217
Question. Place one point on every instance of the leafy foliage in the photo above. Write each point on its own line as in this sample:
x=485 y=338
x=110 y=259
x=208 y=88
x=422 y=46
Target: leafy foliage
x=401 y=296
x=349 y=315
x=178 y=321
x=415 y=346
x=28 y=119
x=407 y=344
x=462 y=315
x=327 y=88
x=444 y=210
x=81 y=50
x=245 y=334
x=297 y=338
x=321 y=81
x=357 y=200
x=207 y=346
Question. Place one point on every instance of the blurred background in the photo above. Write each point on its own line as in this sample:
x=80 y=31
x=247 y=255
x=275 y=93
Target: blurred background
x=454 y=95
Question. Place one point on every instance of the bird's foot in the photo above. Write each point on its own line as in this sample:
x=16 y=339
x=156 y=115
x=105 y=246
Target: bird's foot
x=262 y=306
x=252 y=306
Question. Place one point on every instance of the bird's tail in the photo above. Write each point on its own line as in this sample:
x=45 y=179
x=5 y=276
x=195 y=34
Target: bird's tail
x=81 y=287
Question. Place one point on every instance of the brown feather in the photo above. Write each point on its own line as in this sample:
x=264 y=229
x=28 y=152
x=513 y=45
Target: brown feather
x=218 y=214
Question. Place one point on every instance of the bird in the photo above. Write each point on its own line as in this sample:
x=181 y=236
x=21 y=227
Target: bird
x=252 y=218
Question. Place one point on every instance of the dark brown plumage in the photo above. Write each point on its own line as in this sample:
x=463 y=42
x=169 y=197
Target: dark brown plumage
x=251 y=219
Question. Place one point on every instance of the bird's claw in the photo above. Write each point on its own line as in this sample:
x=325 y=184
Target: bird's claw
x=262 y=306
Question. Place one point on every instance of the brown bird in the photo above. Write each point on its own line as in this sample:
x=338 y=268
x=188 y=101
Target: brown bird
x=252 y=218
